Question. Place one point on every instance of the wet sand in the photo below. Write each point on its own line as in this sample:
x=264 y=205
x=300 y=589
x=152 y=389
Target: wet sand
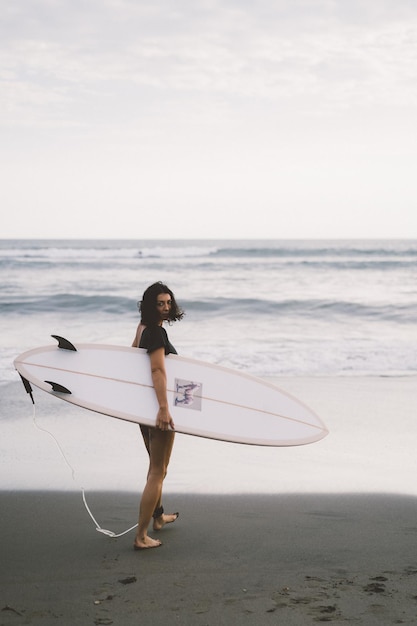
x=289 y=559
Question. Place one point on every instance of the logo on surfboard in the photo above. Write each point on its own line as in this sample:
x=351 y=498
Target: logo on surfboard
x=184 y=394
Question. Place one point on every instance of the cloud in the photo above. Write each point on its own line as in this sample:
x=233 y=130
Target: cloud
x=333 y=57
x=212 y=103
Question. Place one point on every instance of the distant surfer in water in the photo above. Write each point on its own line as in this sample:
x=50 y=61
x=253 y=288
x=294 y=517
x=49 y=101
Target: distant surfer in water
x=157 y=306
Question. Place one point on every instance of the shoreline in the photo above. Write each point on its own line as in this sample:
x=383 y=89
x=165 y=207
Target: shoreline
x=228 y=560
x=369 y=448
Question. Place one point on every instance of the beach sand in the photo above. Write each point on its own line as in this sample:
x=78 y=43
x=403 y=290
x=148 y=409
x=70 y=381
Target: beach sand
x=268 y=559
x=288 y=536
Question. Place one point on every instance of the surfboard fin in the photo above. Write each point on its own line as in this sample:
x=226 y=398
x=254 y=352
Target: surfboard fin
x=64 y=343
x=57 y=387
x=28 y=387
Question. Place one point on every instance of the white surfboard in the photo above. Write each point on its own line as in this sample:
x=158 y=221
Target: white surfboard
x=205 y=400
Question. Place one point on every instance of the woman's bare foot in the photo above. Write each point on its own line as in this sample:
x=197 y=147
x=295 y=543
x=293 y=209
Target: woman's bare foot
x=159 y=522
x=146 y=543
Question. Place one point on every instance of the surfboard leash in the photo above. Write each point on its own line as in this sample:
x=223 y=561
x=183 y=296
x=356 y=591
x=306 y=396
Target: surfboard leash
x=99 y=529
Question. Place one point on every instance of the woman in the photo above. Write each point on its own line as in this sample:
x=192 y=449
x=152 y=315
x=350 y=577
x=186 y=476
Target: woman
x=158 y=305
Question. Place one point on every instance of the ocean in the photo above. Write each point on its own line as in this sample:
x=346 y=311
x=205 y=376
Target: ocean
x=269 y=308
x=332 y=322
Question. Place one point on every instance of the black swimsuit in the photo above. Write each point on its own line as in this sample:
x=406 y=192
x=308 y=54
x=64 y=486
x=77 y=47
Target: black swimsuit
x=155 y=337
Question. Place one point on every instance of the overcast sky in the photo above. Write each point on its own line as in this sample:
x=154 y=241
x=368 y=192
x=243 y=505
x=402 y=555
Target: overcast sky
x=208 y=118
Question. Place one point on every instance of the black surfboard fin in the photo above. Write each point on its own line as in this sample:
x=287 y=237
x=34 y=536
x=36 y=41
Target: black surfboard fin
x=57 y=387
x=64 y=343
x=28 y=387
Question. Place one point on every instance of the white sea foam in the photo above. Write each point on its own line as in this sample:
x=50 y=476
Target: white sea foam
x=270 y=308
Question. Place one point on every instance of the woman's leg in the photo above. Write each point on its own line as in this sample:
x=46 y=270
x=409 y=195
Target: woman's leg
x=145 y=434
x=160 y=518
x=160 y=447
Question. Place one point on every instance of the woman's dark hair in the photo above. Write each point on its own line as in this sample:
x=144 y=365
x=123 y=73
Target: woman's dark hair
x=147 y=306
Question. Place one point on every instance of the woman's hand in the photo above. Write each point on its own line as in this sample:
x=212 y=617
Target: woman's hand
x=164 y=419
